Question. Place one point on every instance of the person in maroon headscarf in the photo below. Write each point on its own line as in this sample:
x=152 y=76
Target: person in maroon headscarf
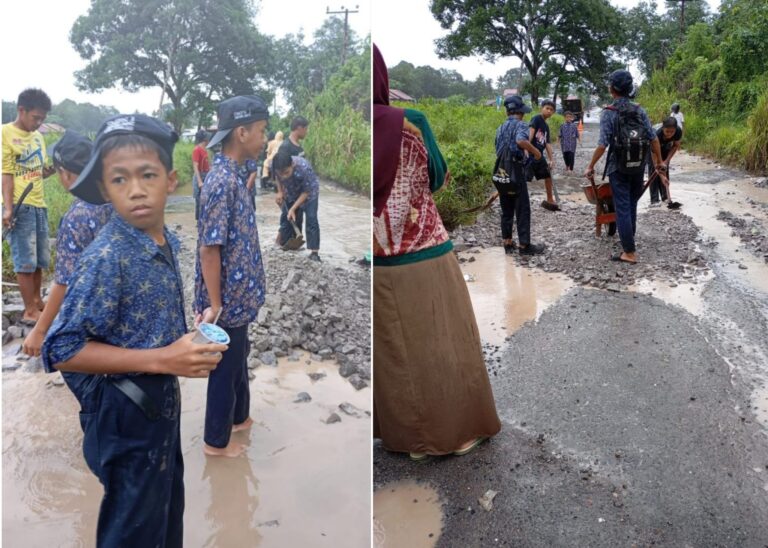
x=431 y=393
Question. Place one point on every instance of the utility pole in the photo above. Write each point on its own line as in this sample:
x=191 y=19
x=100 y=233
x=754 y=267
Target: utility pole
x=346 y=13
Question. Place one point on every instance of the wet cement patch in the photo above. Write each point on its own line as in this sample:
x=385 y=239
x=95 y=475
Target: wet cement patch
x=621 y=427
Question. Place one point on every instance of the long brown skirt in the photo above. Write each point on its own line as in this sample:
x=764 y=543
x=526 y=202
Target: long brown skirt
x=431 y=392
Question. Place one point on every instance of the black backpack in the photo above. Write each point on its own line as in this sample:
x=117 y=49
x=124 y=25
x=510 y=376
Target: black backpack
x=630 y=141
x=508 y=174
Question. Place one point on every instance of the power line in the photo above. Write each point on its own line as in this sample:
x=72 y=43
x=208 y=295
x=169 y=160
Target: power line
x=346 y=13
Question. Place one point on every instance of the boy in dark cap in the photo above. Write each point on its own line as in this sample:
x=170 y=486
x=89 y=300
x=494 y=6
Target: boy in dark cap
x=513 y=134
x=298 y=196
x=77 y=229
x=122 y=327
x=626 y=129
x=229 y=277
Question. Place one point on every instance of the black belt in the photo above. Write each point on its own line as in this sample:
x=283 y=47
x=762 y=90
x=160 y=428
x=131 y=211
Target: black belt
x=137 y=396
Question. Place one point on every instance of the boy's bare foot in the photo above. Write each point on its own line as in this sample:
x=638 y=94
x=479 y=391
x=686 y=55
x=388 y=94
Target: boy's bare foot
x=245 y=425
x=231 y=450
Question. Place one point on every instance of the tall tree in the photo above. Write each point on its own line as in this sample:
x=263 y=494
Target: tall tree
x=191 y=49
x=652 y=37
x=531 y=30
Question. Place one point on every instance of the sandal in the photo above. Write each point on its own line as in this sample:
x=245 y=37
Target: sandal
x=418 y=457
x=618 y=259
x=27 y=322
x=467 y=450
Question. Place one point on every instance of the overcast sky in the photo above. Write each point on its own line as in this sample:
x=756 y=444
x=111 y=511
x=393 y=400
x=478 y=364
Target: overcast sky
x=404 y=30
x=47 y=60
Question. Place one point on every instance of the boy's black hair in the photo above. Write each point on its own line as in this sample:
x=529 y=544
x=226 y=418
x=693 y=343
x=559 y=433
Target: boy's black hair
x=271 y=136
x=548 y=103
x=298 y=122
x=32 y=98
x=670 y=121
x=282 y=160
x=567 y=113
x=201 y=136
x=131 y=140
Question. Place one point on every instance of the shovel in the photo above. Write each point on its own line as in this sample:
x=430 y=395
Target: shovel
x=296 y=242
x=665 y=182
x=483 y=207
x=16 y=207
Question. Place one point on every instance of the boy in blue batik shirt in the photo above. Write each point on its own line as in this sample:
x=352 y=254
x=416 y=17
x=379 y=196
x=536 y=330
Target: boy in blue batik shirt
x=122 y=324
x=229 y=274
x=298 y=195
x=77 y=229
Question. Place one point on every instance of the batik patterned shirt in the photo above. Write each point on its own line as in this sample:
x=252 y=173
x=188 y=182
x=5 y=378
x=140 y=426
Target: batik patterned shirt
x=569 y=135
x=302 y=180
x=409 y=221
x=608 y=120
x=228 y=219
x=509 y=133
x=77 y=230
x=123 y=292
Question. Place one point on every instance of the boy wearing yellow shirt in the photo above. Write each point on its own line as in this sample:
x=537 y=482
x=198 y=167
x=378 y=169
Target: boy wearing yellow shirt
x=24 y=160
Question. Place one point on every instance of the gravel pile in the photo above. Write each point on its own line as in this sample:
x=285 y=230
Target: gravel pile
x=749 y=230
x=668 y=244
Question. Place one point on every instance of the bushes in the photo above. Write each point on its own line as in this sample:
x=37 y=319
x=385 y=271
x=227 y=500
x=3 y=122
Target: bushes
x=757 y=140
x=339 y=148
x=182 y=162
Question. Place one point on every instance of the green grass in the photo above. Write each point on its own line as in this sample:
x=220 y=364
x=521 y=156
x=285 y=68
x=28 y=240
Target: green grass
x=339 y=148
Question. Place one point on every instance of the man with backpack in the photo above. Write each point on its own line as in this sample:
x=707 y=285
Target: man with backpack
x=511 y=146
x=626 y=132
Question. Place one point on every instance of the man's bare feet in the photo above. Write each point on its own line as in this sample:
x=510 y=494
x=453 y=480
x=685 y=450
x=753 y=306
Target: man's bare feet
x=231 y=450
x=245 y=425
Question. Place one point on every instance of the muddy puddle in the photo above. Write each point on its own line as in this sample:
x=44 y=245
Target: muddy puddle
x=302 y=482
x=344 y=217
x=505 y=294
x=408 y=514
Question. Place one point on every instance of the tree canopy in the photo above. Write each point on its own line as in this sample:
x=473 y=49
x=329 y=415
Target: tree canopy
x=568 y=41
x=197 y=51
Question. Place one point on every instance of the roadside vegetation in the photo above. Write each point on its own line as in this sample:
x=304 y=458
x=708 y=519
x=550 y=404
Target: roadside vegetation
x=719 y=75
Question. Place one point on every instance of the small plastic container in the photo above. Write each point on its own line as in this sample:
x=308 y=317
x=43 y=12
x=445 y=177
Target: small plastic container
x=210 y=333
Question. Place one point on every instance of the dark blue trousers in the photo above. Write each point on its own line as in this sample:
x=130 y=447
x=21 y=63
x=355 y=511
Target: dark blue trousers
x=627 y=190
x=517 y=206
x=312 y=230
x=137 y=460
x=229 y=394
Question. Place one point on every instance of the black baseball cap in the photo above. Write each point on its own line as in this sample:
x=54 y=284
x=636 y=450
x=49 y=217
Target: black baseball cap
x=514 y=103
x=238 y=111
x=87 y=186
x=621 y=81
x=72 y=151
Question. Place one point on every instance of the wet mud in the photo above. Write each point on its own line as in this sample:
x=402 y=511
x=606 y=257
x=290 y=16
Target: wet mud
x=406 y=514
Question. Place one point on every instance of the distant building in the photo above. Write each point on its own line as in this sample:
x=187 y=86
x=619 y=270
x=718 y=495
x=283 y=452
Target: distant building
x=50 y=127
x=397 y=95
x=510 y=91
